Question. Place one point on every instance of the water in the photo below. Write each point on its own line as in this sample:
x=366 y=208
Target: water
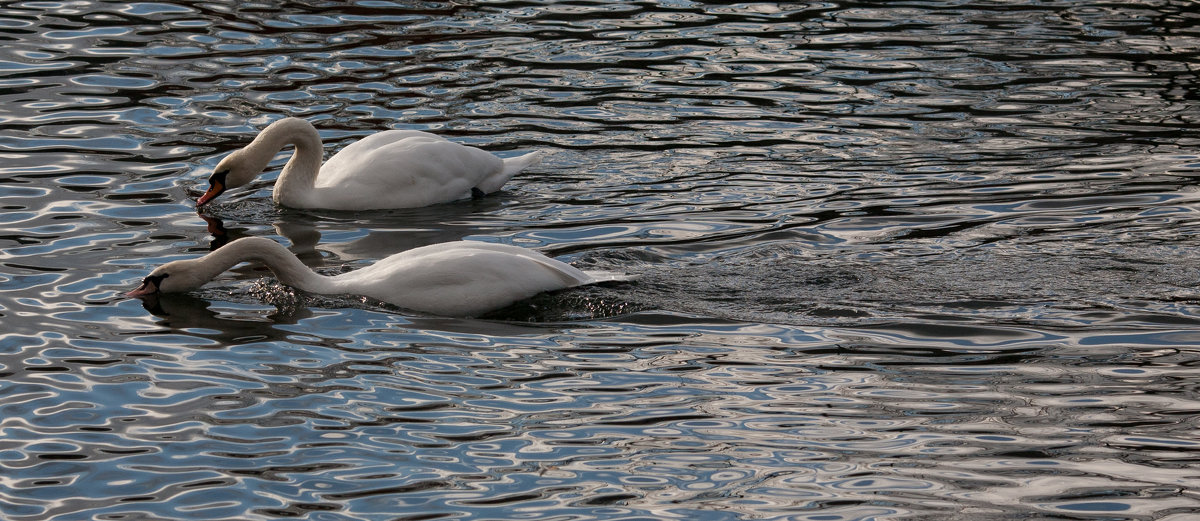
x=920 y=260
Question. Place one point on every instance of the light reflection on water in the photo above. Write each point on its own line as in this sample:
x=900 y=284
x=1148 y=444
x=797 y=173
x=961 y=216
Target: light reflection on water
x=894 y=262
x=370 y=414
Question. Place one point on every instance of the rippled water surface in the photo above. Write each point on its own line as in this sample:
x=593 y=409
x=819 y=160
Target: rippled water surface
x=893 y=260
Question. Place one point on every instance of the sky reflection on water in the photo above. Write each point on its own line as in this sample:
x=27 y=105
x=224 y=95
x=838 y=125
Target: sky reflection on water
x=916 y=261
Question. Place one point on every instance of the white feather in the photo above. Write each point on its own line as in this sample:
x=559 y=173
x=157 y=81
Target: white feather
x=461 y=278
x=390 y=169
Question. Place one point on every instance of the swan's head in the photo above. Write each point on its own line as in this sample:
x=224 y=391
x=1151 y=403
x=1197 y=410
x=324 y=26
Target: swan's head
x=233 y=171
x=173 y=277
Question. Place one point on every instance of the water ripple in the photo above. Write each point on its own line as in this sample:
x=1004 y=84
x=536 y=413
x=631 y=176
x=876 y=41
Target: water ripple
x=892 y=261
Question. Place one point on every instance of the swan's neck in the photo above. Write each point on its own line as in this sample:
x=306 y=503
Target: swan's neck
x=299 y=175
x=286 y=267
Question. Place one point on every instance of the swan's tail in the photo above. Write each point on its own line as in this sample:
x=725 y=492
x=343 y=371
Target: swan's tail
x=512 y=165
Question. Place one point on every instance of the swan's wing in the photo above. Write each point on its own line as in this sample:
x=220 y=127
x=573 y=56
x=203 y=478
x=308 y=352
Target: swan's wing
x=398 y=169
x=488 y=260
x=464 y=278
x=370 y=143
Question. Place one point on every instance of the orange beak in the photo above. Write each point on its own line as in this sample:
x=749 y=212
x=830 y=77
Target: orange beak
x=214 y=189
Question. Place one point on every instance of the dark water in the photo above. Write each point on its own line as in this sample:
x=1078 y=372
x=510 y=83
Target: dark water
x=895 y=260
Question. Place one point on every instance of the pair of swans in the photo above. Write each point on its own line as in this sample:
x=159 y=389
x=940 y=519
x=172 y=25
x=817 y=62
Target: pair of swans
x=390 y=169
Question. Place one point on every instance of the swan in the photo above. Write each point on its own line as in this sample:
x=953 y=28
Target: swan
x=390 y=169
x=458 y=278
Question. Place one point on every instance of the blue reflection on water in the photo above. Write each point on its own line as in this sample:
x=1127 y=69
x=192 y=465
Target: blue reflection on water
x=891 y=262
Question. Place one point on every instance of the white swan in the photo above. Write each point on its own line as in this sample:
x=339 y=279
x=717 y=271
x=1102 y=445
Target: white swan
x=460 y=278
x=390 y=169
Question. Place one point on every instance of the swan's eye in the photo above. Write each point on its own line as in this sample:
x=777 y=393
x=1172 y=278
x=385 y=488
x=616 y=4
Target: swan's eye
x=156 y=280
x=218 y=176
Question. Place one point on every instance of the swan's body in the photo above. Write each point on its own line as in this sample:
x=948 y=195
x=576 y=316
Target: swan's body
x=461 y=278
x=390 y=169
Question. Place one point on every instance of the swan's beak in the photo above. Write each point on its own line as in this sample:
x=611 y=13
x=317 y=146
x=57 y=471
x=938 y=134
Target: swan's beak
x=147 y=288
x=214 y=189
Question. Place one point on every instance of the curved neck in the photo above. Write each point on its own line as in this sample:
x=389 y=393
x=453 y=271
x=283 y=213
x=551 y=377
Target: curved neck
x=286 y=267
x=300 y=174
